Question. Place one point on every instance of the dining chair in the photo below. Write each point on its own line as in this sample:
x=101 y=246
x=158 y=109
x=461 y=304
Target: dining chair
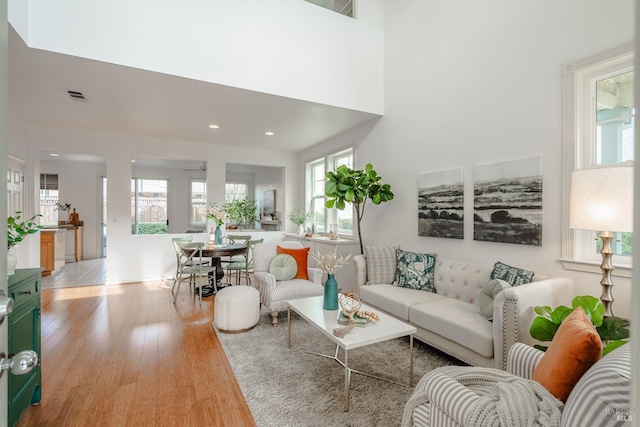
x=245 y=265
x=192 y=268
x=235 y=238
x=179 y=253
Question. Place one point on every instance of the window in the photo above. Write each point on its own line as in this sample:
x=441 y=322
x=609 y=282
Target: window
x=48 y=199
x=599 y=119
x=316 y=176
x=235 y=191
x=149 y=206
x=198 y=199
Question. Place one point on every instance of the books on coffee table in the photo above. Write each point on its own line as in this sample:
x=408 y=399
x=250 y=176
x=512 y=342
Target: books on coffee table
x=359 y=321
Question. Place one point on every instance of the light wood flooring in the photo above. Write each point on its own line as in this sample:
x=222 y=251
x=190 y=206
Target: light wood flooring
x=124 y=355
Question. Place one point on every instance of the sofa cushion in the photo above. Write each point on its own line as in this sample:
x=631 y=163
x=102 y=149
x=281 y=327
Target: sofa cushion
x=603 y=393
x=395 y=300
x=415 y=270
x=574 y=348
x=456 y=321
x=381 y=264
x=513 y=275
x=488 y=292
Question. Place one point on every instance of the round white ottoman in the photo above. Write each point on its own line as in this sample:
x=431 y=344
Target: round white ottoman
x=236 y=309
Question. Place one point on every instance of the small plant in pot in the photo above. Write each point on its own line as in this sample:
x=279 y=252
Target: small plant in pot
x=613 y=330
x=300 y=217
x=17 y=230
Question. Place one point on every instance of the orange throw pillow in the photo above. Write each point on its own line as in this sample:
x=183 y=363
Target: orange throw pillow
x=300 y=255
x=575 y=347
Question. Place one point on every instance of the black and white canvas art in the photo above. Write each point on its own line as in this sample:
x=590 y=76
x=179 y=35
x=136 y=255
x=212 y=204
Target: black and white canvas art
x=507 y=202
x=441 y=204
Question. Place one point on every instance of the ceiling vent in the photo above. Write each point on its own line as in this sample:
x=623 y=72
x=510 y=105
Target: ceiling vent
x=78 y=96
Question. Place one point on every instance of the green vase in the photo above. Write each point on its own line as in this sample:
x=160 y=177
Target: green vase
x=218 y=235
x=330 y=293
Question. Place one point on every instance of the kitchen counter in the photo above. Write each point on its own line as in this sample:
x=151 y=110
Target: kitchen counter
x=52 y=248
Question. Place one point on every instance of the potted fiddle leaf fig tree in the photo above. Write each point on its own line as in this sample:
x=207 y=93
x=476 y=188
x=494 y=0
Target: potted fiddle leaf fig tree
x=356 y=187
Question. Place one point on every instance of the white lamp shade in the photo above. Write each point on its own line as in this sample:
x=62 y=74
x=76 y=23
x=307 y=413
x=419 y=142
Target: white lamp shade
x=602 y=199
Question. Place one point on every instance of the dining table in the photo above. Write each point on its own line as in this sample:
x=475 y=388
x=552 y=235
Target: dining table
x=215 y=252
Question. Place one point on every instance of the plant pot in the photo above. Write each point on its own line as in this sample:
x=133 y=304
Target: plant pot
x=12 y=262
x=300 y=230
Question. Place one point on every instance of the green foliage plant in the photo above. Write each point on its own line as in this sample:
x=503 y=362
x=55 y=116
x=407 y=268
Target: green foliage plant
x=242 y=211
x=357 y=187
x=613 y=330
x=298 y=216
x=18 y=229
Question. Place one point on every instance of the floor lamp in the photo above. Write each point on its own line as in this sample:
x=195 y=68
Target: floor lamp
x=602 y=201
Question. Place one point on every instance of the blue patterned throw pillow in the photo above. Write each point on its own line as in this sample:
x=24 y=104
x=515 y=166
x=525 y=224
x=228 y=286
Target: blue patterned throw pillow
x=415 y=271
x=512 y=275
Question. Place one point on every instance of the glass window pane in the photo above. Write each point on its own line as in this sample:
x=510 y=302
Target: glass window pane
x=615 y=119
x=198 y=202
x=149 y=206
x=615 y=134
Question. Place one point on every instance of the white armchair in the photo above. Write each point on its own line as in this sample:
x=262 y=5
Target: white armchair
x=274 y=294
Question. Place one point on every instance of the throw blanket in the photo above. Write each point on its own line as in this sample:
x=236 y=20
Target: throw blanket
x=504 y=400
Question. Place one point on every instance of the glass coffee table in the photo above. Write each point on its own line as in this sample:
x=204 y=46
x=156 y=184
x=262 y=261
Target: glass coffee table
x=386 y=328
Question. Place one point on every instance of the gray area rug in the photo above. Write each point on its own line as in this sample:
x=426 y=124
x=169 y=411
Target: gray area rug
x=289 y=387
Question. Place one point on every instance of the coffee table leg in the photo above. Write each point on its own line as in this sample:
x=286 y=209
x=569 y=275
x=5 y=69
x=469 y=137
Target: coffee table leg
x=410 y=360
x=289 y=326
x=346 y=382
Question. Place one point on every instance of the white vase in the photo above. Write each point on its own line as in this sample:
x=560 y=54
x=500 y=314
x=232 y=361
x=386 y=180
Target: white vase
x=12 y=261
x=300 y=229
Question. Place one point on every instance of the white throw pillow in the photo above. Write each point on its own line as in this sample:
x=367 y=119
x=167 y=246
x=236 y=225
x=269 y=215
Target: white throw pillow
x=381 y=264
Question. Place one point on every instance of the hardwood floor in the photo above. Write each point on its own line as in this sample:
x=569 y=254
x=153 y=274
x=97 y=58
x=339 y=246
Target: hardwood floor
x=124 y=355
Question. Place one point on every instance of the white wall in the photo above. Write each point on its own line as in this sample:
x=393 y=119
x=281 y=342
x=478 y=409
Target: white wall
x=284 y=47
x=469 y=84
x=135 y=258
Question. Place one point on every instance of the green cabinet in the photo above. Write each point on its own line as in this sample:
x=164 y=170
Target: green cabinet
x=24 y=334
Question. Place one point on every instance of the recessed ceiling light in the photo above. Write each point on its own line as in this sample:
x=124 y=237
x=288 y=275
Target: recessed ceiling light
x=133 y=161
x=269 y=133
x=54 y=155
x=214 y=126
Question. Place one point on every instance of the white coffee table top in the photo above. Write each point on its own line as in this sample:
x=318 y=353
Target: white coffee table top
x=386 y=328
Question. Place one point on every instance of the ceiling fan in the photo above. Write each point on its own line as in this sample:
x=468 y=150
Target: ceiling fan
x=202 y=168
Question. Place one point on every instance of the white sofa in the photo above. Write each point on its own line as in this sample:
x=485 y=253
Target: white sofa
x=450 y=318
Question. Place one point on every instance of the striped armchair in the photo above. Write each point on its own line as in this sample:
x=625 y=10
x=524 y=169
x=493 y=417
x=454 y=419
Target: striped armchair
x=602 y=397
x=275 y=293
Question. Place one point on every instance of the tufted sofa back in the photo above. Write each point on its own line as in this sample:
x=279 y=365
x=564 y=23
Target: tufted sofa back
x=459 y=279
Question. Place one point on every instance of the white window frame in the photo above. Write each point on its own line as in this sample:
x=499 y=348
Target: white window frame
x=579 y=149
x=330 y=215
x=202 y=221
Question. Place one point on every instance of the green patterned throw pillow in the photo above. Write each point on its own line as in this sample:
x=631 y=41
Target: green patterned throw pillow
x=415 y=271
x=512 y=275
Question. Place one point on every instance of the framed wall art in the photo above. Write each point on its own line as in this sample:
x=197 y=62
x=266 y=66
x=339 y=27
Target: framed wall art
x=507 y=202
x=441 y=204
